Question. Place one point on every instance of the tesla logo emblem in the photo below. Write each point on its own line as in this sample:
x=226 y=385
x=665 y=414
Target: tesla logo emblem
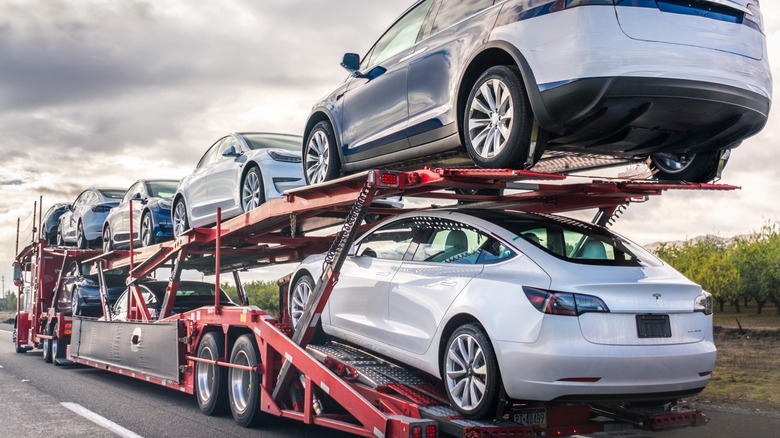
x=657 y=297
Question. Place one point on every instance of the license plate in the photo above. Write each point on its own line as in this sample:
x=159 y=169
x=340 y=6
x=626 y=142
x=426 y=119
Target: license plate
x=653 y=326
x=531 y=417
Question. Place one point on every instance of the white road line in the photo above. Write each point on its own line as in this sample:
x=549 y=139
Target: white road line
x=100 y=421
x=6 y=331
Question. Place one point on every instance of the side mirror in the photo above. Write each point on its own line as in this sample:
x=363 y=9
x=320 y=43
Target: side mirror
x=70 y=207
x=136 y=196
x=231 y=152
x=351 y=62
x=18 y=279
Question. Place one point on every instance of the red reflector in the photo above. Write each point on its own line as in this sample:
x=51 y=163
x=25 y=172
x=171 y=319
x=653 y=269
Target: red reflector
x=68 y=325
x=430 y=431
x=388 y=179
x=67 y=332
x=417 y=432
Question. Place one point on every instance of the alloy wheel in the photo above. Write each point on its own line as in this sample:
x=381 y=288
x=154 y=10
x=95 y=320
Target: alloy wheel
x=490 y=118
x=146 y=230
x=240 y=382
x=317 y=157
x=179 y=219
x=205 y=375
x=251 y=192
x=298 y=300
x=107 y=244
x=466 y=371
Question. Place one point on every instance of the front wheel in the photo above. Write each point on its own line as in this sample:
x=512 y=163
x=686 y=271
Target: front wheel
x=697 y=167
x=210 y=379
x=320 y=156
x=75 y=303
x=180 y=221
x=108 y=243
x=60 y=239
x=252 y=191
x=81 y=238
x=299 y=296
x=471 y=375
x=245 y=385
x=498 y=124
x=147 y=230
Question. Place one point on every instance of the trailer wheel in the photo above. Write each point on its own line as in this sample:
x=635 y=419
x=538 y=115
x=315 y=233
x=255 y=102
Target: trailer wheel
x=210 y=379
x=245 y=385
x=58 y=346
x=47 y=346
x=471 y=375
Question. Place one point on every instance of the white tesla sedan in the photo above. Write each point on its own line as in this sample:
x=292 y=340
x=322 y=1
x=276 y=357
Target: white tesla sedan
x=551 y=308
x=237 y=173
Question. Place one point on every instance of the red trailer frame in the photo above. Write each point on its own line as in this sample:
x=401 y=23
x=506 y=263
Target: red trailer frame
x=293 y=382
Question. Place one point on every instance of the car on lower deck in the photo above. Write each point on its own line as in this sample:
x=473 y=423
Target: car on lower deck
x=151 y=201
x=79 y=292
x=498 y=83
x=541 y=307
x=189 y=296
x=237 y=174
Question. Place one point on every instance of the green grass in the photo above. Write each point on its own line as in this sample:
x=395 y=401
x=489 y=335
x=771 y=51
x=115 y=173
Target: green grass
x=748 y=317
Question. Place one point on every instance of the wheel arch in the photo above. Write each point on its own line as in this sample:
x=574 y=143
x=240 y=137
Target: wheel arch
x=250 y=164
x=322 y=115
x=453 y=324
x=502 y=53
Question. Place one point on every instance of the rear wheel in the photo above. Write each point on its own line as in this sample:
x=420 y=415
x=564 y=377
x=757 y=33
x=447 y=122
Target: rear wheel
x=498 y=124
x=81 y=238
x=210 y=379
x=321 y=158
x=75 y=303
x=299 y=296
x=471 y=375
x=147 y=230
x=180 y=221
x=244 y=385
x=252 y=191
x=108 y=244
x=60 y=240
x=698 y=167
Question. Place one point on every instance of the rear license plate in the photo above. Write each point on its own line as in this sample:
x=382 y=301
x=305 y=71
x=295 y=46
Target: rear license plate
x=653 y=326
x=531 y=417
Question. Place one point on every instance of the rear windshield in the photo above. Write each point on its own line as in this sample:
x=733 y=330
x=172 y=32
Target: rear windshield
x=112 y=194
x=572 y=240
x=162 y=189
x=279 y=141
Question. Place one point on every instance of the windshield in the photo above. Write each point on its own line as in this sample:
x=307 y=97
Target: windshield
x=112 y=194
x=280 y=141
x=162 y=189
x=572 y=240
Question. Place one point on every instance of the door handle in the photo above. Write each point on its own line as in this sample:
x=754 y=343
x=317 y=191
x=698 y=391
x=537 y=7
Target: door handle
x=384 y=274
x=449 y=283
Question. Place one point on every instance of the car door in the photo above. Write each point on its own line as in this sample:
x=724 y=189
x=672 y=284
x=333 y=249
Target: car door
x=458 y=28
x=374 y=109
x=223 y=176
x=425 y=286
x=120 y=221
x=141 y=197
x=358 y=303
x=70 y=230
x=197 y=184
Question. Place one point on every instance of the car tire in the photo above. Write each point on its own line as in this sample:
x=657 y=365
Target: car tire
x=320 y=155
x=500 y=135
x=179 y=218
x=297 y=299
x=211 y=384
x=698 y=167
x=75 y=303
x=81 y=239
x=108 y=243
x=60 y=240
x=252 y=190
x=147 y=230
x=244 y=392
x=469 y=367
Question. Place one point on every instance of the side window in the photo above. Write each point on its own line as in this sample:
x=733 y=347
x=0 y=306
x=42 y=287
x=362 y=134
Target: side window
x=452 y=242
x=209 y=156
x=401 y=36
x=452 y=12
x=390 y=242
x=86 y=198
x=130 y=192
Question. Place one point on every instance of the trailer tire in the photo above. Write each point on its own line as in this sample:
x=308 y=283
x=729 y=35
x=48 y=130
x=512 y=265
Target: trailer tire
x=47 y=348
x=245 y=385
x=58 y=346
x=211 y=380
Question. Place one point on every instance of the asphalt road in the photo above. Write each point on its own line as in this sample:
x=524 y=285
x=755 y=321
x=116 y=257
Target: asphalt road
x=39 y=399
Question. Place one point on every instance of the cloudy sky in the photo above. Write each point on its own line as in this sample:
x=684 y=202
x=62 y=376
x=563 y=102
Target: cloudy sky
x=101 y=93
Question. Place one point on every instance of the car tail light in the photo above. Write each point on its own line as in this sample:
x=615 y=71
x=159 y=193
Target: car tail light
x=560 y=5
x=276 y=156
x=561 y=303
x=754 y=19
x=703 y=303
x=101 y=208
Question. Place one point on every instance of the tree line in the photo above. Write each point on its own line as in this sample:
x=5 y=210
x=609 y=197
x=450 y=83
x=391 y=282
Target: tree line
x=735 y=272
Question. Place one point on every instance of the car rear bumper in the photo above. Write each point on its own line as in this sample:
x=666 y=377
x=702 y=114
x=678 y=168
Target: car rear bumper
x=565 y=370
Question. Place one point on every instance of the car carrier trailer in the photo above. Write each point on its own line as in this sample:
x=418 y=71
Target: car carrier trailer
x=244 y=359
